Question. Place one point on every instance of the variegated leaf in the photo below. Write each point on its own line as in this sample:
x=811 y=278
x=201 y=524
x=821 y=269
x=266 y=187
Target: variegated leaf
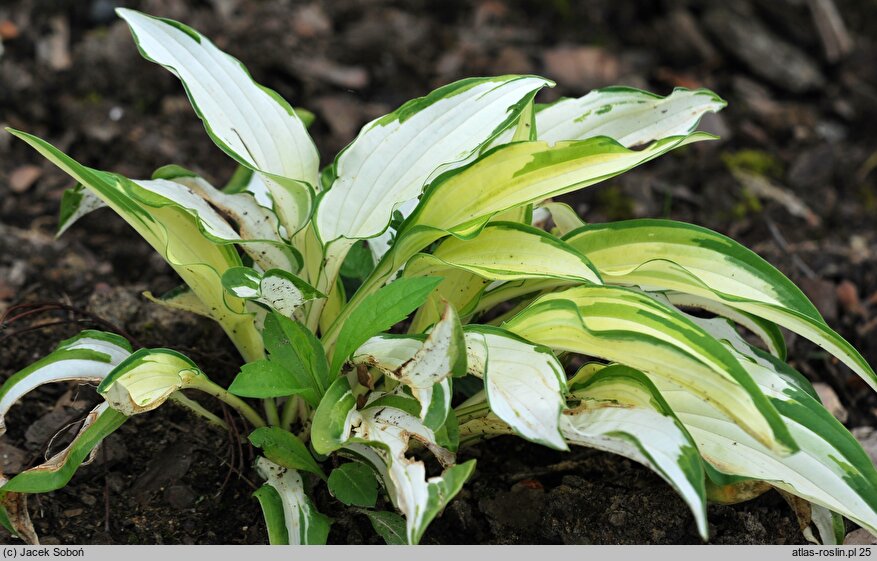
x=385 y=167
x=249 y=122
x=663 y=254
x=276 y=288
x=621 y=411
x=631 y=328
x=830 y=469
x=425 y=367
x=510 y=251
x=196 y=245
x=87 y=357
x=524 y=382
x=630 y=116
x=304 y=523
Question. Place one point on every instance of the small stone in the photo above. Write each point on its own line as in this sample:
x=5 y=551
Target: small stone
x=582 y=68
x=8 y=30
x=848 y=298
x=73 y=512
x=311 y=21
x=54 y=49
x=860 y=537
x=22 y=178
x=179 y=496
x=823 y=295
x=831 y=401
x=867 y=437
x=12 y=459
x=512 y=60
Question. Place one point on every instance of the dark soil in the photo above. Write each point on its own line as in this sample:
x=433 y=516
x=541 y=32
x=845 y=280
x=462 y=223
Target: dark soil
x=798 y=116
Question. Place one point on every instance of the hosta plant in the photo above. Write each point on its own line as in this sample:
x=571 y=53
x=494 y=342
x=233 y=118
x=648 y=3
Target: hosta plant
x=422 y=293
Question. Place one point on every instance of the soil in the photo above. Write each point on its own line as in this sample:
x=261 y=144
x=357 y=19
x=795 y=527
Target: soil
x=797 y=120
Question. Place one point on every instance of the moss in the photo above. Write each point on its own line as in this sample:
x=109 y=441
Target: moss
x=755 y=161
x=614 y=203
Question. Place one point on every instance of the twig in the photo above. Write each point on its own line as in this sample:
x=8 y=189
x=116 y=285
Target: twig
x=834 y=35
x=25 y=310
x=784 y=245
x=560 y=467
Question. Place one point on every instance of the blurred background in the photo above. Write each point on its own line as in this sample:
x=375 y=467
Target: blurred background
x=793 y=177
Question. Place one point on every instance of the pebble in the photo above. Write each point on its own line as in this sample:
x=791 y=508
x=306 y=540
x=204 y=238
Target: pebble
x=22 y=178
x=867 y=437
x=831 y=401
x=582 y=68
x=860 y=537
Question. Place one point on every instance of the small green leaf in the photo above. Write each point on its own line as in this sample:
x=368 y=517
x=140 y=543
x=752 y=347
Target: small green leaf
x=285 y=449
x=272 y=512
x=358 y=263
x=295 y=348
x=264 y=379
x=448 y=435
x=354 y=484
x=330 y=418
x=388 y=525
x=379 y=312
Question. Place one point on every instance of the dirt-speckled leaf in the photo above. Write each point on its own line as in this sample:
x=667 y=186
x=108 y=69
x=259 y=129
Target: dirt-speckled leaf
x=262 y=236
x=386 y=432
x=278 y=289
x=305 y=525
x=424 y=367
x=379 y=312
